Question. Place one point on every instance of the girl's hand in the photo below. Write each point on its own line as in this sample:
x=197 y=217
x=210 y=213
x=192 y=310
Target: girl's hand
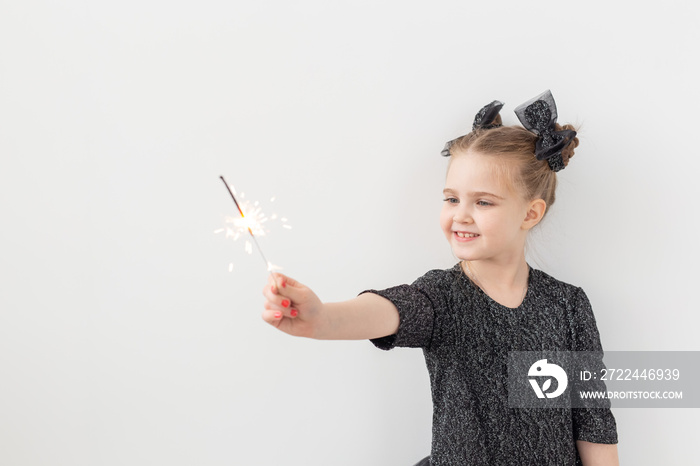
x=296 y=310
x=291 y=307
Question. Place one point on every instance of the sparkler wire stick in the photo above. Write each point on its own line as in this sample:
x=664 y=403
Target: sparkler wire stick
x=267 y=264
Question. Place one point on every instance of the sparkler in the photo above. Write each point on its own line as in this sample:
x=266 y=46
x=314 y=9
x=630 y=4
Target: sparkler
x=250 y=223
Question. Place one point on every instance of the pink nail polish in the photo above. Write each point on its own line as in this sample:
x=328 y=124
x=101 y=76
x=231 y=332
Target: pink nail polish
x=285 y=303
x=278 y=315
x=284 y=284
x=294 y=313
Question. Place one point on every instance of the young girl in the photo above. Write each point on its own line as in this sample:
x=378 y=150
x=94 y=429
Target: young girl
x=500 y=184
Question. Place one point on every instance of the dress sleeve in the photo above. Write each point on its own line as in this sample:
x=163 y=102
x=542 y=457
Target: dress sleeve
x=595 y=425
x=417 y=304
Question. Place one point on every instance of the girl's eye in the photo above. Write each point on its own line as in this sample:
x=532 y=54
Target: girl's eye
x=451 y=200
x=484 y=203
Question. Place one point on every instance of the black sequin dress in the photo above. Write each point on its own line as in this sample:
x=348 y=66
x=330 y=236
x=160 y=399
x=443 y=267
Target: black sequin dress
x=466 y=336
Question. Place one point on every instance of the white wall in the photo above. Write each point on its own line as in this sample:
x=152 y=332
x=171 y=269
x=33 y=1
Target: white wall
x=124 y=339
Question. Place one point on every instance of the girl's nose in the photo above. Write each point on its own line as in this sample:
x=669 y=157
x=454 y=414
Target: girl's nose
x=462 y=216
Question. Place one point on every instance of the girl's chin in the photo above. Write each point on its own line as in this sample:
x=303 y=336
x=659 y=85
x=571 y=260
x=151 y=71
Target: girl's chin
x=462 y=256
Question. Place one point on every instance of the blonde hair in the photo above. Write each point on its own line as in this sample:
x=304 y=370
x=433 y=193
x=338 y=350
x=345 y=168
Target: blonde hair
x=513 y=148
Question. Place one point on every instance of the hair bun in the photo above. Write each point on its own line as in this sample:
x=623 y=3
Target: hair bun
x=568 y=151
x=498 y=121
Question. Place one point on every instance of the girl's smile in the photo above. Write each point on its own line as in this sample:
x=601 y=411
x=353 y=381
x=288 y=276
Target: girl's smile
x=464 y=236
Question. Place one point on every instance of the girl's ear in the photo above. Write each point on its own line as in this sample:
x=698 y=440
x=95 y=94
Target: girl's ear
x=535 y=212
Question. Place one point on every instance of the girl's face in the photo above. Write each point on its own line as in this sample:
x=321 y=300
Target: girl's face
x=477 y=204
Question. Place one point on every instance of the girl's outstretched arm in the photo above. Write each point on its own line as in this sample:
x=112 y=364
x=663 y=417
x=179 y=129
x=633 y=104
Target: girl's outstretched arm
x=294 y=309
x=597 y=454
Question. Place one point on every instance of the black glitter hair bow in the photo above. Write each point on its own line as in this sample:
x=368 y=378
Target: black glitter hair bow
x=539 y=115
x=483 y=120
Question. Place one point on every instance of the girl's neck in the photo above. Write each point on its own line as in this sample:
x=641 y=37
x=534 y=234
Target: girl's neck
x=502 y=276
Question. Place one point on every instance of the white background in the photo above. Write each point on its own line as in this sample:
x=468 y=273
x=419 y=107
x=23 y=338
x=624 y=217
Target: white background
x=124 y=338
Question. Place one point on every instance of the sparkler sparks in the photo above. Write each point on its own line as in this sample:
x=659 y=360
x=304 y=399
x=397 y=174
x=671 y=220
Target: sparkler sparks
x=251 y=220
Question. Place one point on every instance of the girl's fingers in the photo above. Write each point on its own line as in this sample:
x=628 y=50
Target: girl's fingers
x=275 y=317
x=272 y=317
x=279 y=304
x=291 y=290
x=283 y=280
x=279 y=282
x=272 y=284
x=285 y=292
x=277 y=301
